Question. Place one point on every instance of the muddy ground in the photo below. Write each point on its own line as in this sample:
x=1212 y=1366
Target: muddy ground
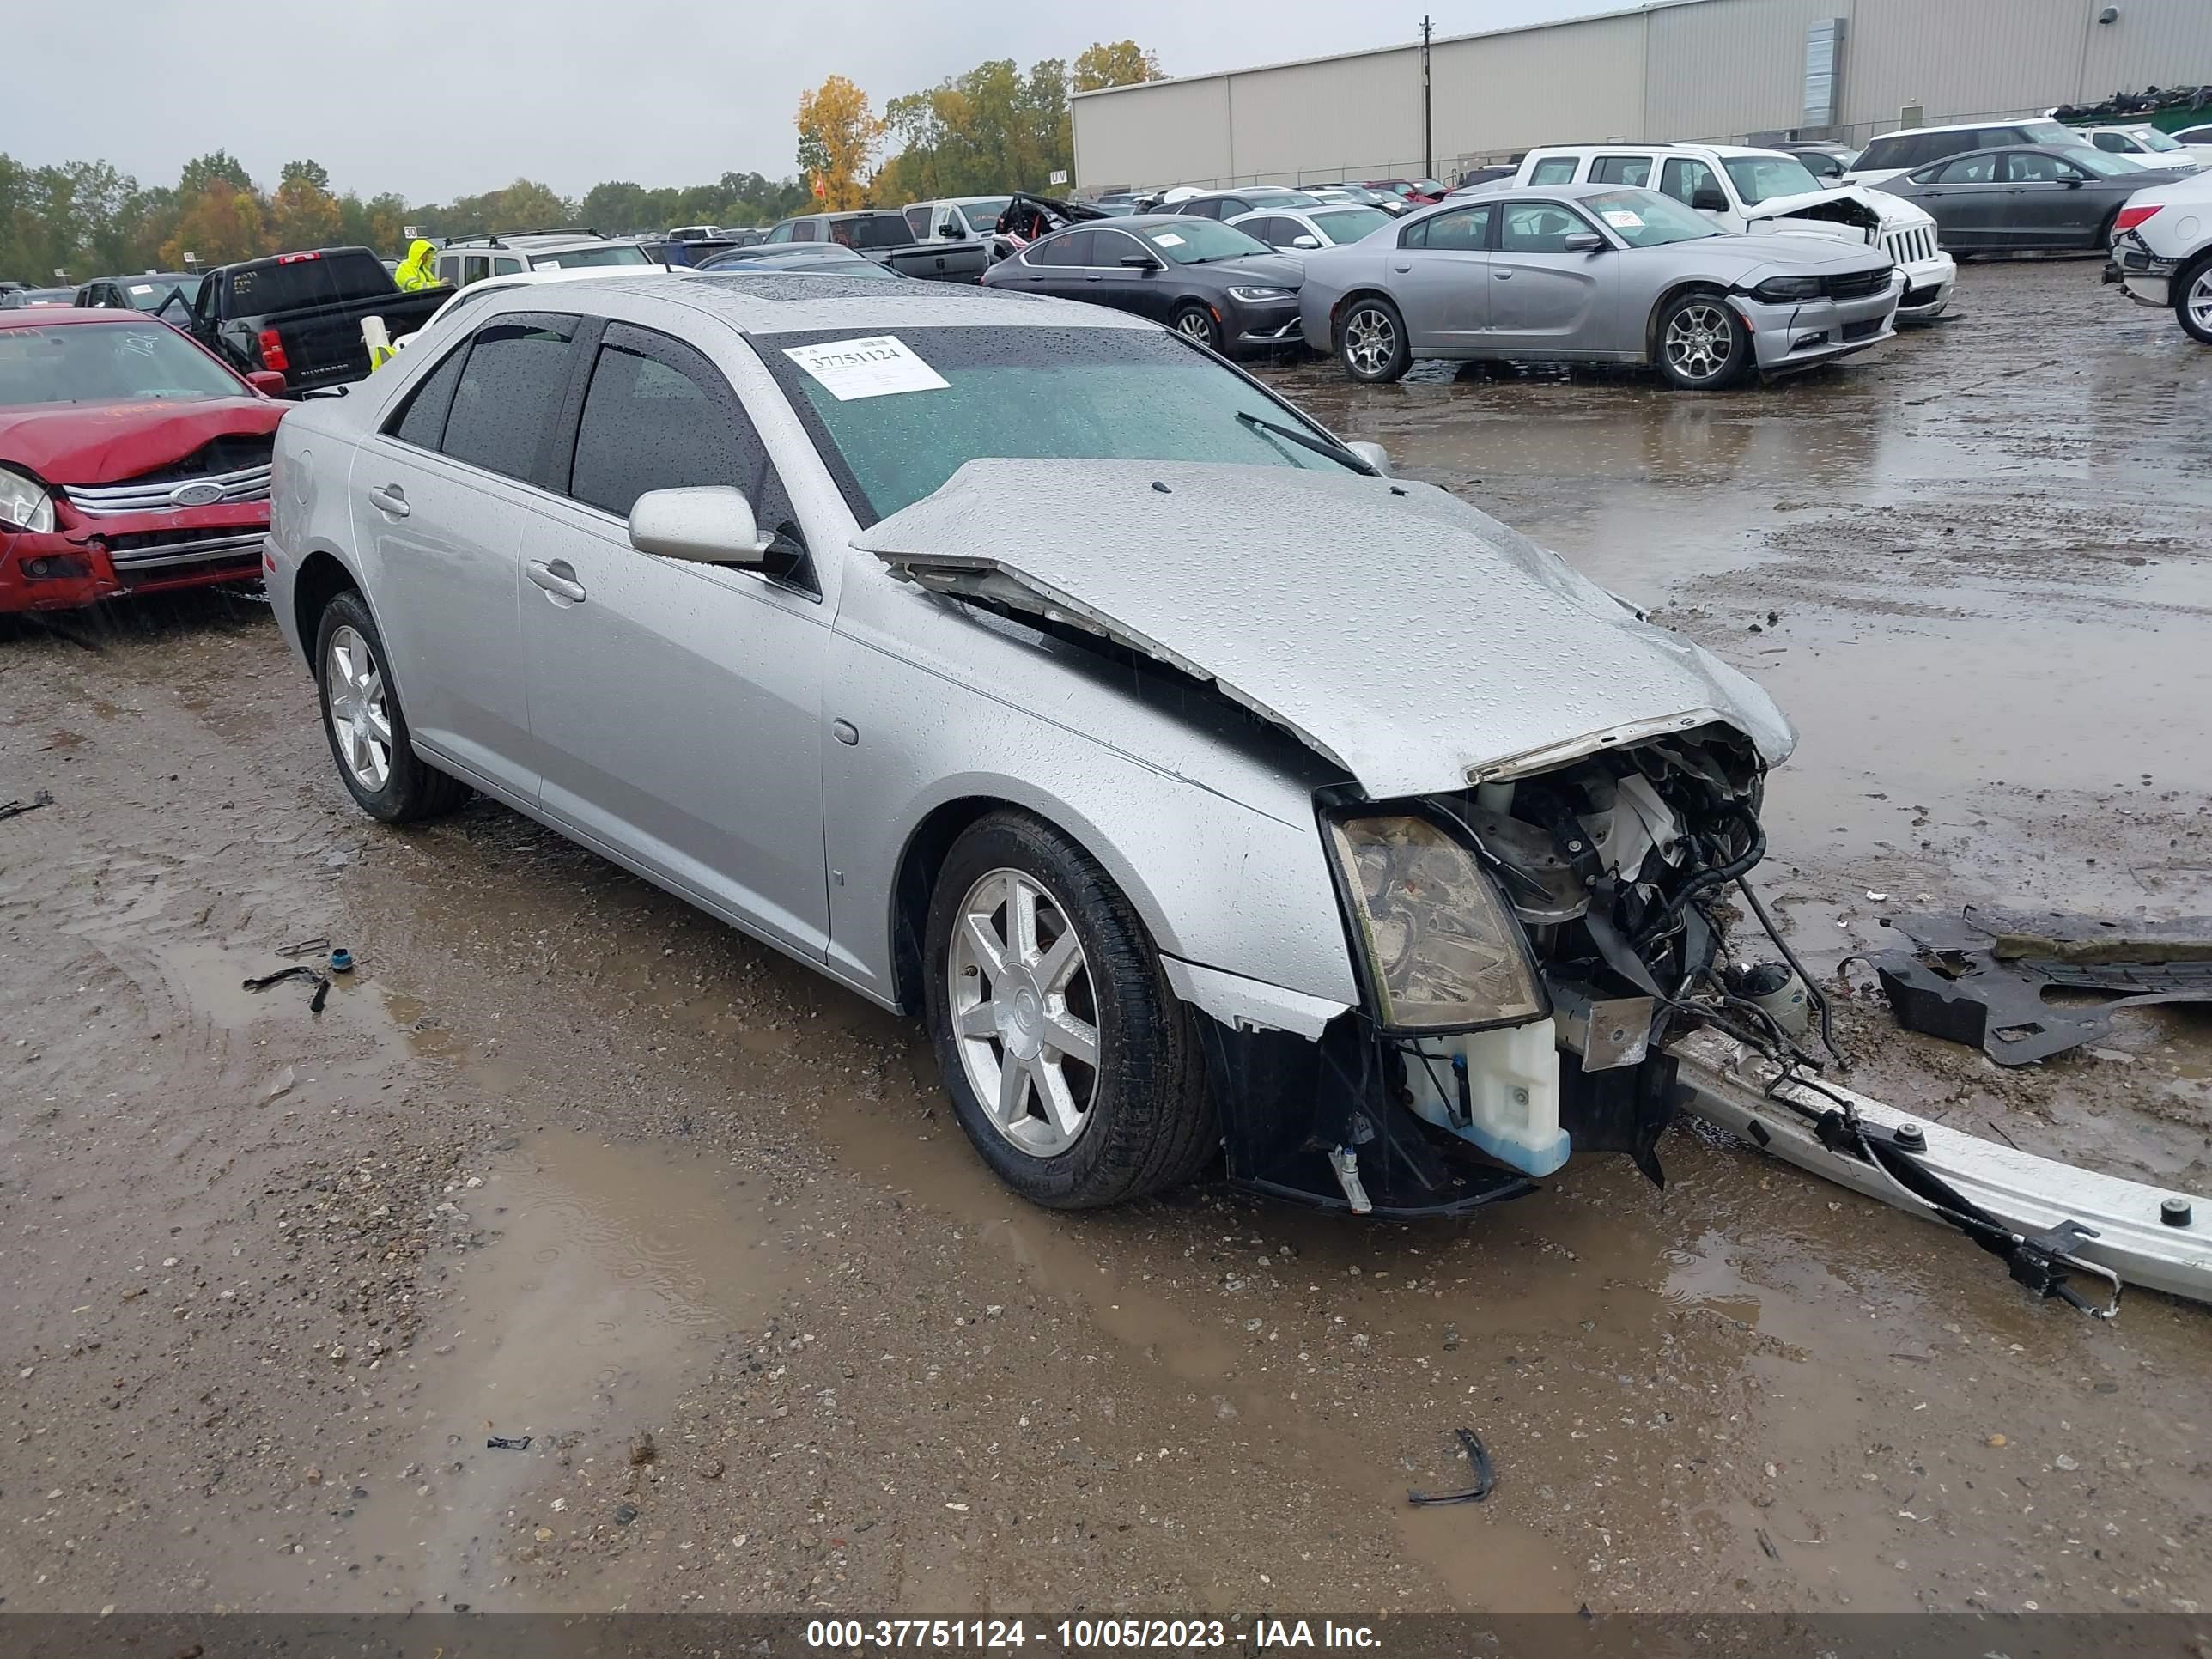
x=563 y=1159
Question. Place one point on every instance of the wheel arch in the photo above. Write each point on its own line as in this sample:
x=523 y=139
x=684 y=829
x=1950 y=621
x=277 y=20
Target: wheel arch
x=1345 y=302
x=916 y=882
x=1666 y=297
x=322 y=576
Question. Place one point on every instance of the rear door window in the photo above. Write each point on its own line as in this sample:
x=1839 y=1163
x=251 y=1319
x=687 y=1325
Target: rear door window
x=421 y=420
x=1071 y=248
x=1966 y=170
x=806 y=231
x=1464 y=230
x=1554 y=170
x=509 y=393
x=917 y=220
x=1622 y=170
x=475 y=269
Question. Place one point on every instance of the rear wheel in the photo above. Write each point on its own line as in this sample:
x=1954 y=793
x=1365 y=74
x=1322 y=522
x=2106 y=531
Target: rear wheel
x=1704 y=345
x=1194 y=322
x=1074 y=1068
x=1370 y=342
x=2192 y=300
x=367 y=729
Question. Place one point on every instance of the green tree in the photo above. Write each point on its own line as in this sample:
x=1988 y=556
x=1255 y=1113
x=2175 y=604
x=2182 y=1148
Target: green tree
x=217 y=166
x=1114 y=63
x=992 y=128
x=304 y=214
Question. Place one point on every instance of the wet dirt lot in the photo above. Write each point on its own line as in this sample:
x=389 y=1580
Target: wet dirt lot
x=563 y=1159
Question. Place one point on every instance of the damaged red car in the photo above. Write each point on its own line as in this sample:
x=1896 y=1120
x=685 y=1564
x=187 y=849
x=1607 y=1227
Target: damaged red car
x=131 y=460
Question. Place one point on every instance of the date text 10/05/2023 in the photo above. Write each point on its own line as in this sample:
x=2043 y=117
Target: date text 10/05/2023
x=860 y=1634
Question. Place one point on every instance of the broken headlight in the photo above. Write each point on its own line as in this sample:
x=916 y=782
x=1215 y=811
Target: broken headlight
x=1443 y=950
x=24 y=502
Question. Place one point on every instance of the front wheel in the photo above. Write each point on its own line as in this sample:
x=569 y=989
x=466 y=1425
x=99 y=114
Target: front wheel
x=1704 y=345
x=1074 y=1068
x=1195 y=322
x=1370 y=342
x=367 y=729
x=2192 y=301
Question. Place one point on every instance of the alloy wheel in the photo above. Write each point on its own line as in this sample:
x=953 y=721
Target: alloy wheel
x=2199 y=300
x=1370 y=340
x=1194 y=324
x=353 y=690
x=1699 y=340
x=1024 y=1013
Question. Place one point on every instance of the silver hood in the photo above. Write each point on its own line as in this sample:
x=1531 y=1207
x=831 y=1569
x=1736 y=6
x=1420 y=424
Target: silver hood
x=1414 y=641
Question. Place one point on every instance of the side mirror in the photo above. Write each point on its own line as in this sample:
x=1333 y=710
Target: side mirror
x=1709 y=200
x=1140 y=262
x=707 y=523
x=1581 y=241
x=2075 y=184
x=1305 y=242
x=266 y=381
x=1373 y=454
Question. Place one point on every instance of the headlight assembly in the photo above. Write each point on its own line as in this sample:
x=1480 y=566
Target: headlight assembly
x=1249 y=295
x=1442 y=951
x=1789 y=287
x=25 y=503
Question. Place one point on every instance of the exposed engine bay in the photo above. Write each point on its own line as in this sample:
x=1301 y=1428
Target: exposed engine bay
x=1562 y=929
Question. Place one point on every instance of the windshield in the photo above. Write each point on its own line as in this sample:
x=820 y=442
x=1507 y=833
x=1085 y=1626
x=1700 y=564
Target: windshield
x=1760 y=178
x=2050 y=132
x=1040 y=393
x=2151 y=138
x=1645 y=218
x=1195 y=241
x=576 y=258
x=1349 y=224
x=107 y=362
x=2097 y=162
x=984 y=213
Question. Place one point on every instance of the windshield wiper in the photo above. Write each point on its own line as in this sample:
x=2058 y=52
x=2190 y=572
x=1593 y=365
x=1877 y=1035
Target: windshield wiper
x=1335 y=452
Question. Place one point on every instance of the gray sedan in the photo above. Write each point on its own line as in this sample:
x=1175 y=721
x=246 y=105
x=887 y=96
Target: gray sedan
x=2028 y=196
x=1021 y=666
x=1593 y=273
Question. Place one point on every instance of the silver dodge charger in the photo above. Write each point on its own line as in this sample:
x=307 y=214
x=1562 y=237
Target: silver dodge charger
x=1595 y=273
x=1218 y=799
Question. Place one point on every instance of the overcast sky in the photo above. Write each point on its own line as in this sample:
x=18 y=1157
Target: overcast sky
x=439 y=97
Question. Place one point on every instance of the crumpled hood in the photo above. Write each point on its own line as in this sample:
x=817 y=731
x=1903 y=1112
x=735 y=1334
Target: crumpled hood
x=1794 y=210
x=1404 y=635
x=106 y=443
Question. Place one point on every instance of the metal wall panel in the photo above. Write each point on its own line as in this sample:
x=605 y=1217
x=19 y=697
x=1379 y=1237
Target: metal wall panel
x=1730 y=67
x=1539 y=86
x=1698 y=69
x=1351 y=114
x=1153 y=135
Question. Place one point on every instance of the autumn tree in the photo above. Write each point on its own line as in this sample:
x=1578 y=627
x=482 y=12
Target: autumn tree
x=304 y=214
x=838 y=134
x=220 y=224
x=1114 y=63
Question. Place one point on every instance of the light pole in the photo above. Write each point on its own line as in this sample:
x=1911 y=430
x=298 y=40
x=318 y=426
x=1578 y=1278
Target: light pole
x=1428 y=123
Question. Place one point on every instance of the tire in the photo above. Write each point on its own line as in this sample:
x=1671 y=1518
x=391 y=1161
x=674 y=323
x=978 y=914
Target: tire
x=1700 y=343
x=386 y=777
x=1195 y=322
x=2195 y=284
x=1136 y=1121
x=1370 y=342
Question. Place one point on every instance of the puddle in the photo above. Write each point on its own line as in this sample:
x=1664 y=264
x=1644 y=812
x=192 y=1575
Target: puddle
x=612 y=1276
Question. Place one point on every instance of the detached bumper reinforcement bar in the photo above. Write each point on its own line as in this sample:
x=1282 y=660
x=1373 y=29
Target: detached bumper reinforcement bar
x=2161 y=1239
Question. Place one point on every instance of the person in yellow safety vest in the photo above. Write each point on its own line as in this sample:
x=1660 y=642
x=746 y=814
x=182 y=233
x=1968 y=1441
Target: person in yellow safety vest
x=416 y=271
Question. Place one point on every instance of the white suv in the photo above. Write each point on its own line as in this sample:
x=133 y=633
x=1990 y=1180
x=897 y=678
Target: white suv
x=1763 y=191
x=2162 y=250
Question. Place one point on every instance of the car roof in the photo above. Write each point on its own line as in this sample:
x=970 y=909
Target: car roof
x=25 y=316
x=770 y=302
x=1960 y=126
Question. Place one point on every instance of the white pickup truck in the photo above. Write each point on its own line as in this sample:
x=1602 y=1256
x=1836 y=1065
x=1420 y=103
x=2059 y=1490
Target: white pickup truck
x=1764 y=190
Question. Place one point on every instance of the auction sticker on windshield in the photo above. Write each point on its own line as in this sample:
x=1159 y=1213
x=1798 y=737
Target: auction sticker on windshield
x=1167 y=239
x=1622 y=219
x=867 y=368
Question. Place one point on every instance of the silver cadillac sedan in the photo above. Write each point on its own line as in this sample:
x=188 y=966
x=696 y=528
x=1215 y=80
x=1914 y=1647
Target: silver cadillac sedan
x=1215 y=797
x=1595 y=273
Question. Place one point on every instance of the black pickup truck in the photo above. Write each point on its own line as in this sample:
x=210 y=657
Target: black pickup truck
x=300 y=313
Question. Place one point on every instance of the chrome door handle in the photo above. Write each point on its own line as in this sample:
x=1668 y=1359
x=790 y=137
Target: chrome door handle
x=389 y=498
x=558 y=579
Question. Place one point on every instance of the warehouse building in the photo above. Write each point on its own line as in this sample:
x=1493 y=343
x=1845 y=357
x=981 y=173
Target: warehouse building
x=1682 y=70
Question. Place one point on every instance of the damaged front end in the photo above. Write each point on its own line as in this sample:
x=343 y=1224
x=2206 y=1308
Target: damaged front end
x=1529 y=949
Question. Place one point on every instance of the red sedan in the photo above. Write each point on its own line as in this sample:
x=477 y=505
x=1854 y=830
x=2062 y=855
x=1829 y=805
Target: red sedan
x=131 y=460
